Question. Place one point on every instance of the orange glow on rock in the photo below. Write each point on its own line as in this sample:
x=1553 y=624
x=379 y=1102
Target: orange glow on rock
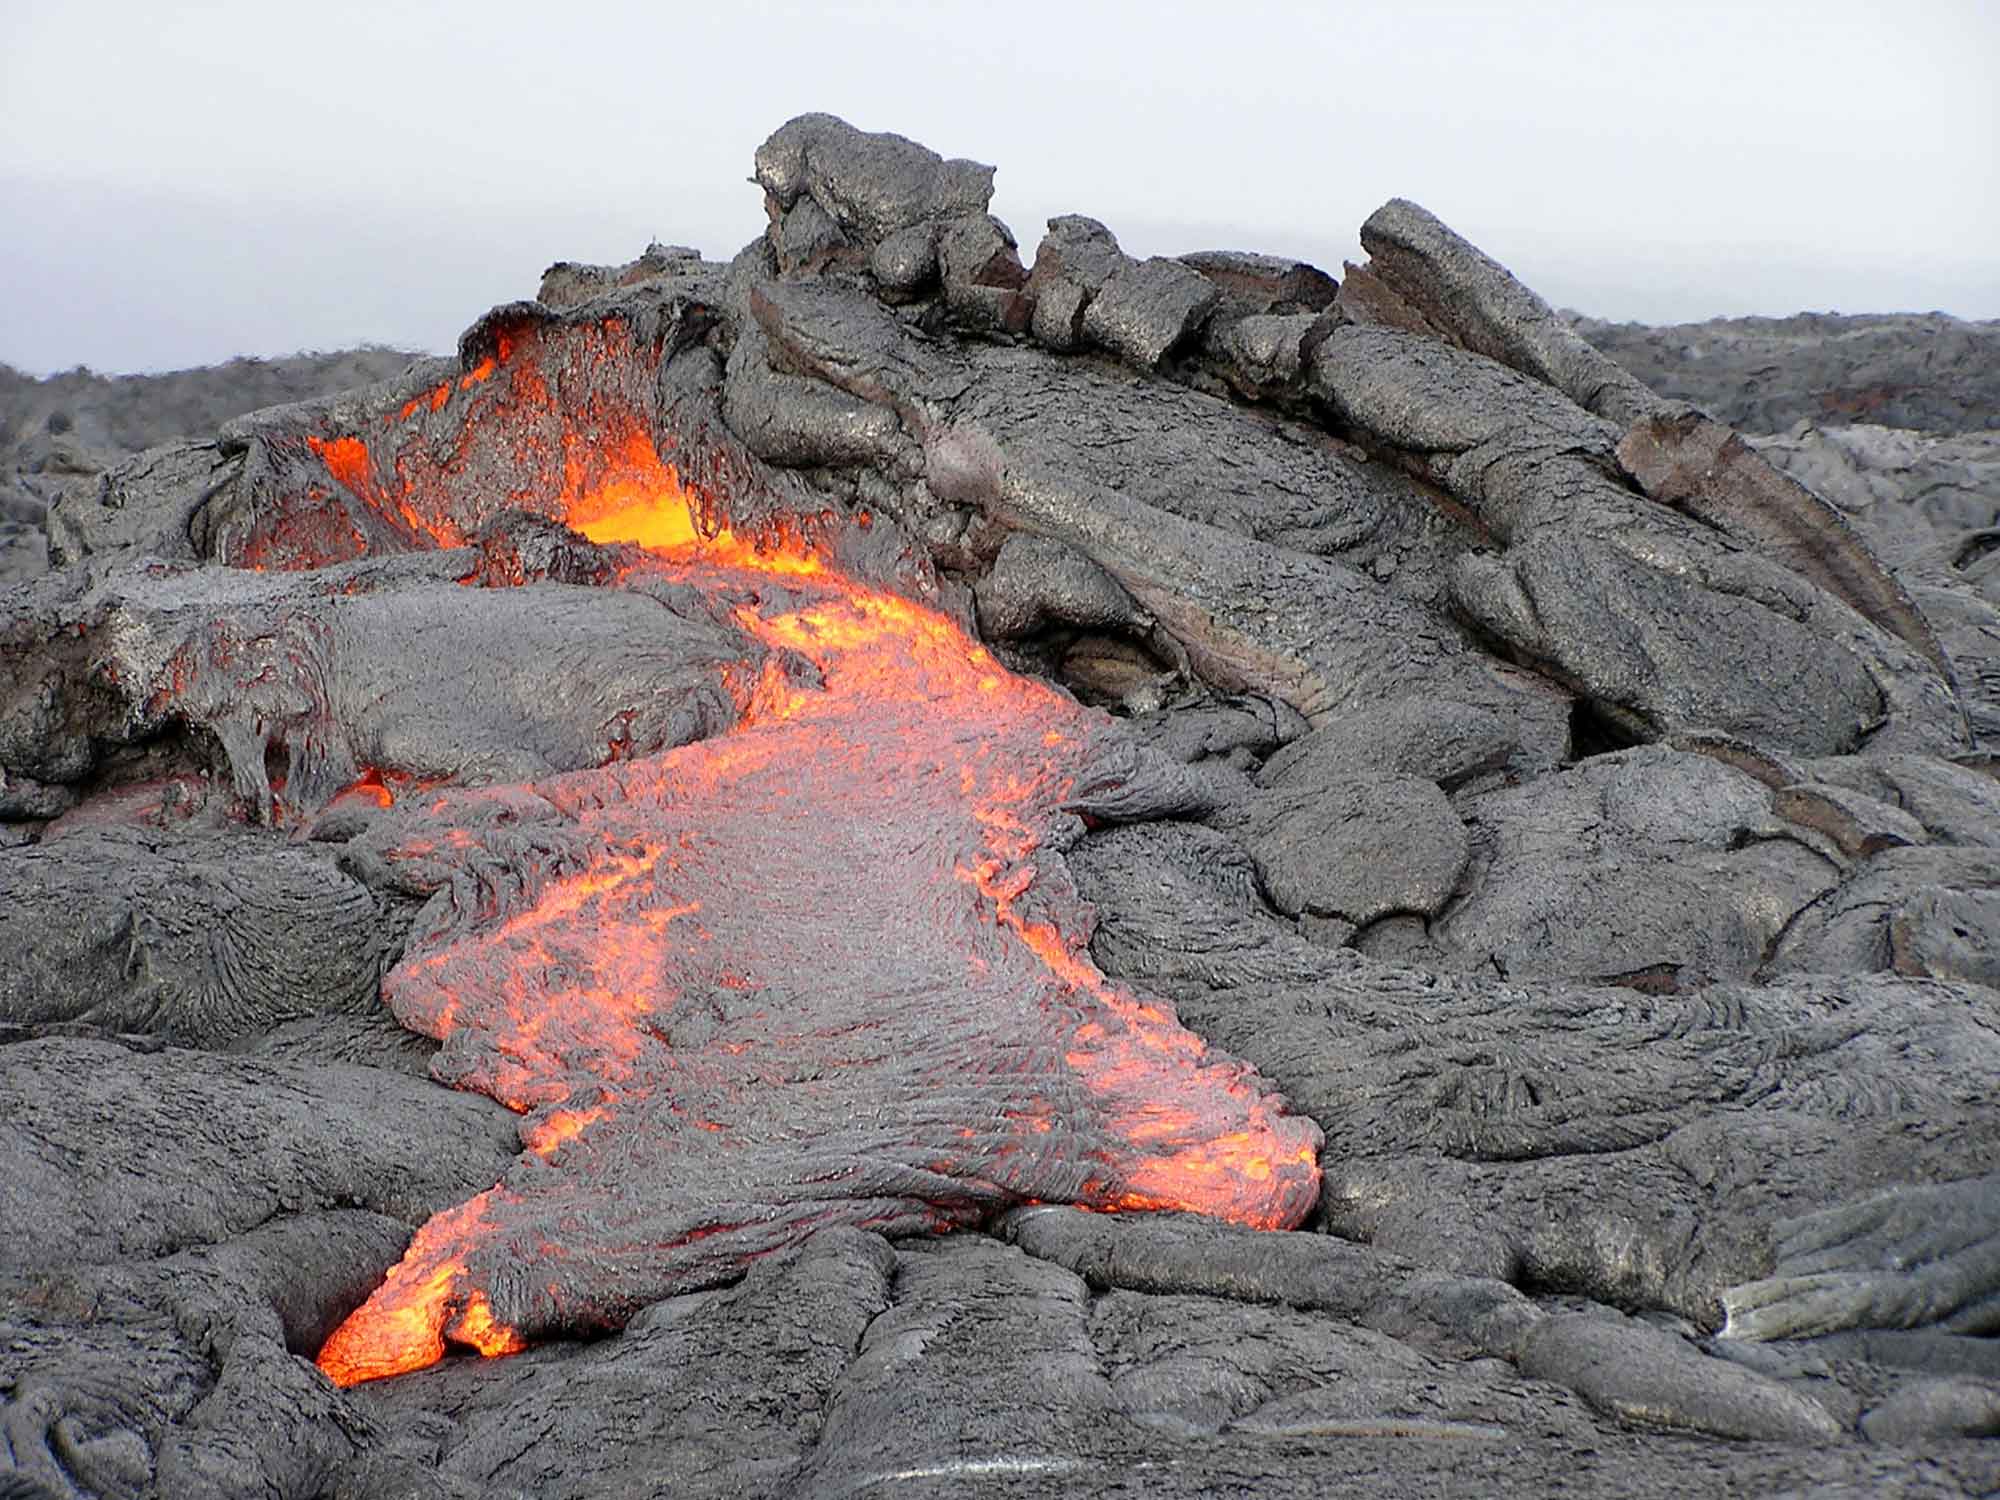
x=368 y=788
x=645 y=996
x=641 y=500
x=409 y=1331
x=379 y=787
x=554 y=420
x=348 y=461
x=546 y=1136
x=477 y=1328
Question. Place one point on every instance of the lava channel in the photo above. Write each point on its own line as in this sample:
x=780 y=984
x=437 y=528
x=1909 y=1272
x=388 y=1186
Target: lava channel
x=824 y=969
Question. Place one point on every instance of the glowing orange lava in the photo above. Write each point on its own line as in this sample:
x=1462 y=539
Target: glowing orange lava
x=348 y=460
x=641 y=958
x=641 y=500
x=411 y=1334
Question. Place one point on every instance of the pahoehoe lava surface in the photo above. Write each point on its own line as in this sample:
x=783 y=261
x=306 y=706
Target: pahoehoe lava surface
x=900 y=872
x=807 y=973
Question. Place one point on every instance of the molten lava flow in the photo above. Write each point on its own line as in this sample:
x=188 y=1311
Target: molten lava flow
x=641 y=500
x=412 y=1333
x=819 y=970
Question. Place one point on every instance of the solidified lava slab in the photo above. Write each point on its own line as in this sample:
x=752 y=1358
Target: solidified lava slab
x=823 y=969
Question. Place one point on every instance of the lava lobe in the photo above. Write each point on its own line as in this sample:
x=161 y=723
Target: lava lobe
x=825 y=968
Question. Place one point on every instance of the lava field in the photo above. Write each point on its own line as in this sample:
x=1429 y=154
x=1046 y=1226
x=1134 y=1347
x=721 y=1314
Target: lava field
x=877 y=870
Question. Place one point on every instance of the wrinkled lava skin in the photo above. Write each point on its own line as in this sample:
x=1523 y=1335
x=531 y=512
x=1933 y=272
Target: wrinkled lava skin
x=822 y=969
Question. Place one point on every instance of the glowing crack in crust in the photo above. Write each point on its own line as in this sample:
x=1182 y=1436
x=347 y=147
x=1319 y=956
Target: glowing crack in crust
x=819 y=970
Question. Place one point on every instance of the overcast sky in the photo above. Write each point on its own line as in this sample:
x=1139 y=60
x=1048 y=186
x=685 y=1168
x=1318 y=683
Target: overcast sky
x=182 y=182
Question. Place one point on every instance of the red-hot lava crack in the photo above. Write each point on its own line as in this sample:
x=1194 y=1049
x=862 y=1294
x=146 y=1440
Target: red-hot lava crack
x=822 y=969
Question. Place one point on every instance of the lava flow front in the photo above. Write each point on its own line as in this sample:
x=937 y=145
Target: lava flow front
x=823 y=969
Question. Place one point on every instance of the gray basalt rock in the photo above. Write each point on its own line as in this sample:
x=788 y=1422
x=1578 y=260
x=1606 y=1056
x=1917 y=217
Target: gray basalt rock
x=570 y=283
x=1146 y=309
x=1657 y=653
x=1654 y=1378
x=1079 y=250
x=359 y=669
x=1678 y=456
x=1056 y=318
x=1679 y=860
x=1257 y=285
x=867 y=185
x=1929 y=505
x=146 y=505
x=1037 y=581
x=1954 y=803
x=1854 y=825
x=1453 y=285
x=1699 y=466
x=1357 y=846
x=1183 y=1254
x=1630 y=1147
x=26 y=800
x=1908 y=491
x=1072 y=263
x=1906 y=1258
x=785 y=419
x=1262 y=353
x=204 y=1392
x=641 y=1408
x=1242 y=731
x=1446 y=742
x=805 y=238
x=905 y=264
x=72 y=479
x=1922 y=371
x=199 y=939
x=201 y=1148
x=1047 y=1388
x=1927 y=1411
x=371 y=1039
x=1917 y=911
x=1690 y=644
x=982 y=275
x=1207 y=532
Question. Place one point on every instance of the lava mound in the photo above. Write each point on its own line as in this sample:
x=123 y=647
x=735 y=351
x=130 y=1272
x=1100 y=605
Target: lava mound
x=1014 y=875
x=797 y=951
